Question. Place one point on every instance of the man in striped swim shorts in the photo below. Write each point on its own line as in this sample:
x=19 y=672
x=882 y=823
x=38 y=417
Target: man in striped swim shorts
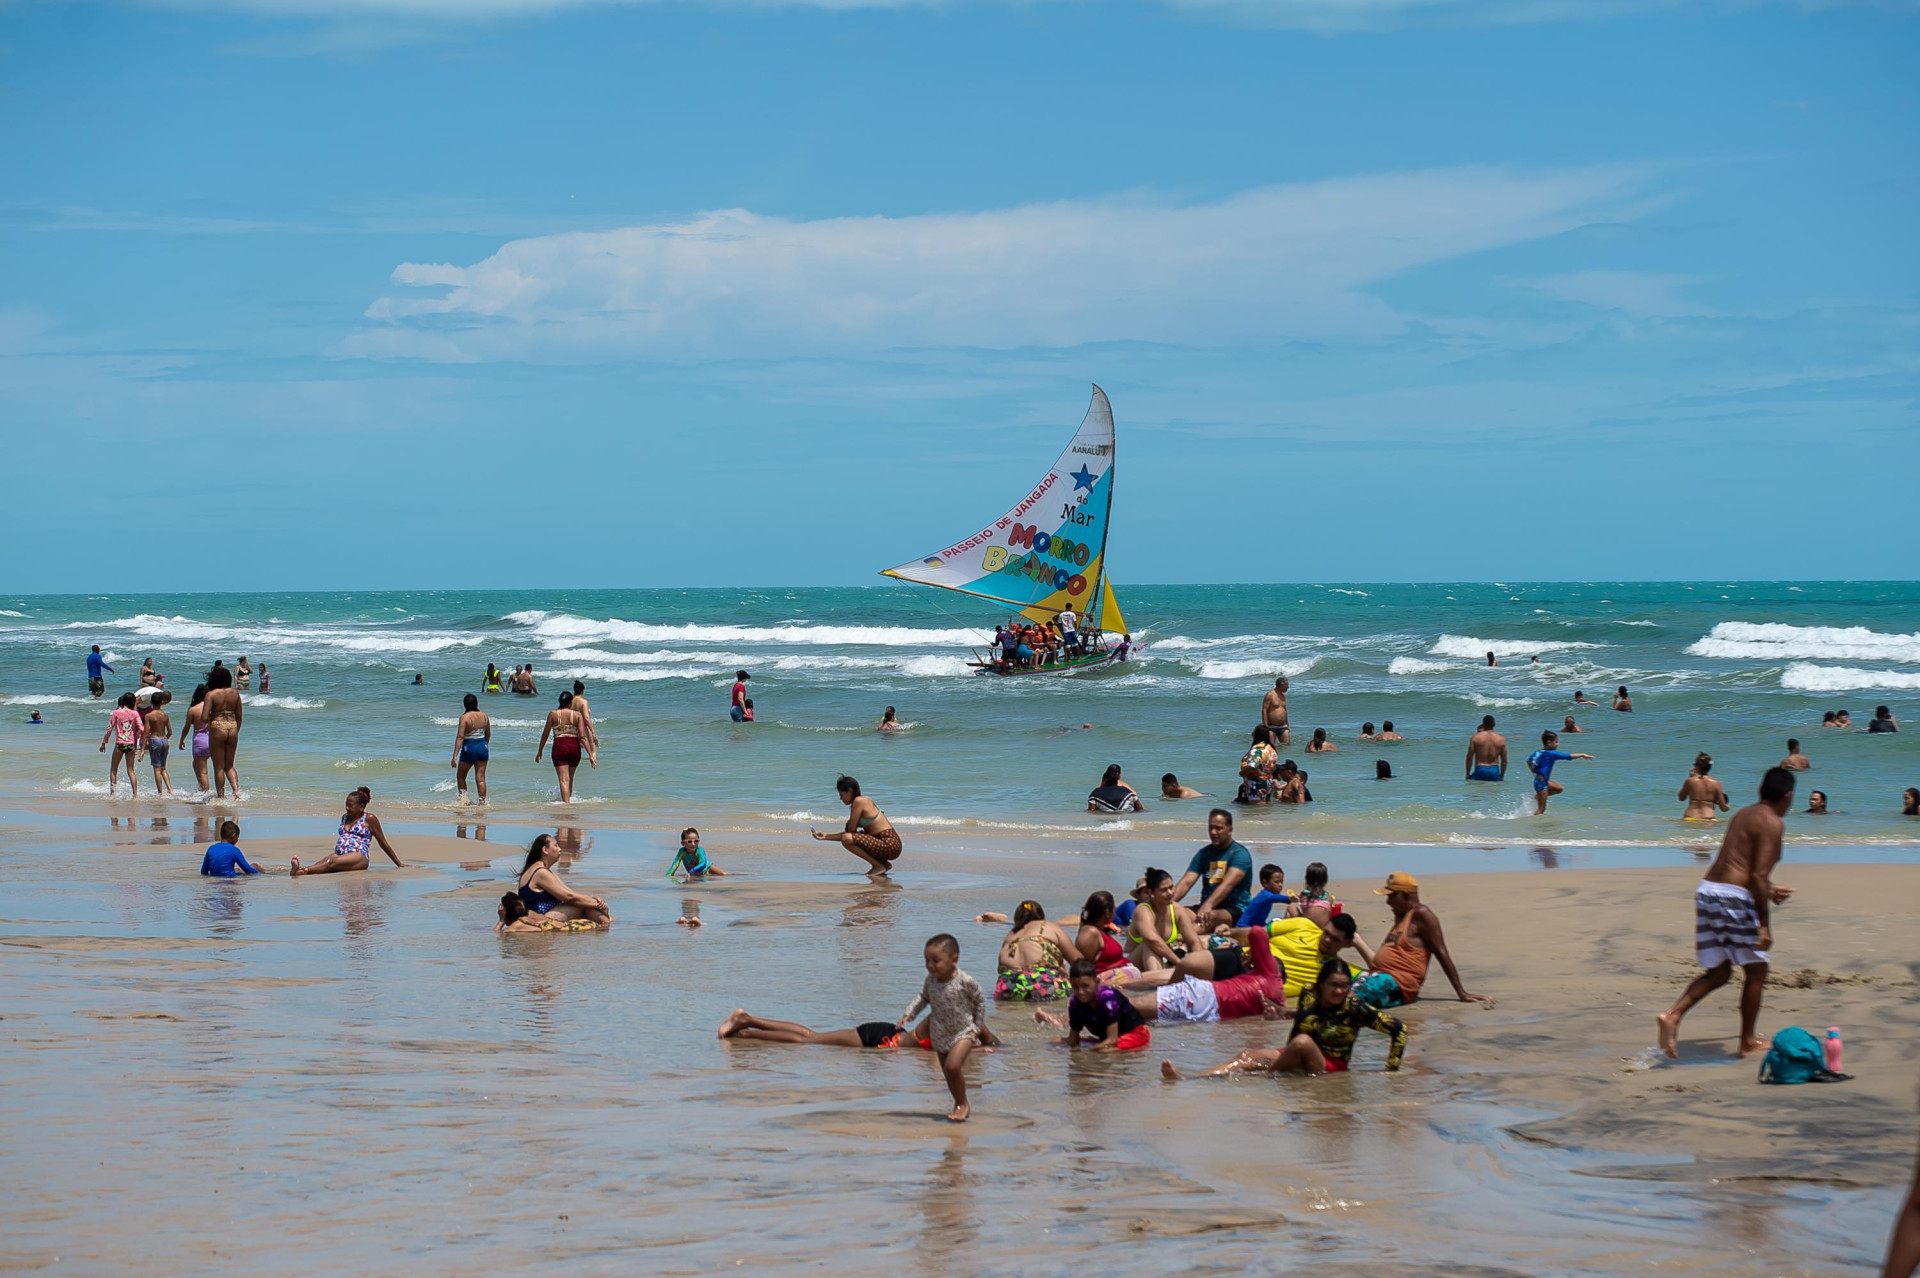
x=1732 y=913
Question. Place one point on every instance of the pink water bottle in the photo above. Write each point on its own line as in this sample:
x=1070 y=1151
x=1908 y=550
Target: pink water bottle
x=1832 y=1047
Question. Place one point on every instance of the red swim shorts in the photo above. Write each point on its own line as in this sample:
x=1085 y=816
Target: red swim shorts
x=1134 y=1040
x=1335 y=1066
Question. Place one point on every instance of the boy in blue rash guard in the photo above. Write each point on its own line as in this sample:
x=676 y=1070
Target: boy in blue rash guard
x=1273 y=891
x=224 y=860
x=1541 y=762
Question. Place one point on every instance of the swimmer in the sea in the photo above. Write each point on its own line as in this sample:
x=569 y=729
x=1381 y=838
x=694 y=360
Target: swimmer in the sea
x=1910 y=801
x=1366 y=731
x=1702 y=793
x=1486 y=753
x=887 y=722
x=1816 y=803
x=1622 y=702
x=1571 y=726
x=34 y=717
x=1580 y=699
x=691 y=859
x=1795 y=761
x=743 y=1024
x=1320 y=744
x=1387 y=733
x=1170 y=788
x=1492 y=660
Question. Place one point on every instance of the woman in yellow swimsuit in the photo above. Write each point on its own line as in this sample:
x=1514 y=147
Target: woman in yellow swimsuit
x=1157 y=925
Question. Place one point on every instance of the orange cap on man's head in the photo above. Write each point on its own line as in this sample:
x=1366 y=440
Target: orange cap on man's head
x=1398 y=883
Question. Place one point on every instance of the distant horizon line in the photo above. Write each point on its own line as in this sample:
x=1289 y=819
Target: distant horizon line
x=909 y=587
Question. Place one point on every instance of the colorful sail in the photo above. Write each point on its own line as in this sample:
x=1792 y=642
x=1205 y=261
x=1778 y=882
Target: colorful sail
x=1110 y=619
x=1046 y=553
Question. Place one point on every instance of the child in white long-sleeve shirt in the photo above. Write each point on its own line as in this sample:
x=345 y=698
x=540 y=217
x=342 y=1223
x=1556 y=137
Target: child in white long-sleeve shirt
x=958 y=1022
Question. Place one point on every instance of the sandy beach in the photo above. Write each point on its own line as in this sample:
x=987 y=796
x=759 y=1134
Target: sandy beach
x=278 y=1075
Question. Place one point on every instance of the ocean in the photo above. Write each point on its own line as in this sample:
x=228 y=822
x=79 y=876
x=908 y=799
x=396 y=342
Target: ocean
x=1730 y=668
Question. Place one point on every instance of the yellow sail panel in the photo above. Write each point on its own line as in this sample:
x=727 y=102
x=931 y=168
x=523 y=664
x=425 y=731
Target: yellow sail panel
x=1110 y=619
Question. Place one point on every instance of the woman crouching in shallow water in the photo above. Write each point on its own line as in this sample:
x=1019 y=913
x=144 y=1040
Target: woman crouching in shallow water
x=545 y=895
x=1321 y=1040
x=359 y=830
x=868 y=835
x=515 y=917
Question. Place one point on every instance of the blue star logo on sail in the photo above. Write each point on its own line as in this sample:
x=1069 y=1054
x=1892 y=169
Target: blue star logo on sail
x=1083 y=478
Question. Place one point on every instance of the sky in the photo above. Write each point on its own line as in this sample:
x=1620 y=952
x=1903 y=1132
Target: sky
x=464 y=293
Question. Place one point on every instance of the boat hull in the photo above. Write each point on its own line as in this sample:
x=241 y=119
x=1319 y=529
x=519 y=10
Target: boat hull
x=1082 y=664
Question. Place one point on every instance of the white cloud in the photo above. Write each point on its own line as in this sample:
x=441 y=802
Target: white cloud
x=1272 y=262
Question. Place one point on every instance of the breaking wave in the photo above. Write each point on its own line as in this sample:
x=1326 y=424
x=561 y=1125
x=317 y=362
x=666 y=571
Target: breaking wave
x=1803 y=677
x=1771 y=641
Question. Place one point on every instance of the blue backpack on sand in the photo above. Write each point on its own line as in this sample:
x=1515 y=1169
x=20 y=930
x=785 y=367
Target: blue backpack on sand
x=1796 y=1057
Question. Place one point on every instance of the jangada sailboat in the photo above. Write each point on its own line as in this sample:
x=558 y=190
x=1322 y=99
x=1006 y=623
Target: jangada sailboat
x=1045 y=556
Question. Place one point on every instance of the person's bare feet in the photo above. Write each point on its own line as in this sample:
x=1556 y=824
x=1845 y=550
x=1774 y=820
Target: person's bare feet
x=293 y=871
x=1749 y=1046
x=960 y=1113
x=733 y=1024
x=1669 y=1034
x=1168 y=1072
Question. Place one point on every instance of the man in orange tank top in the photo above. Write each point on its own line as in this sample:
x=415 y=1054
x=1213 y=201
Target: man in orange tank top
x=1400 y=964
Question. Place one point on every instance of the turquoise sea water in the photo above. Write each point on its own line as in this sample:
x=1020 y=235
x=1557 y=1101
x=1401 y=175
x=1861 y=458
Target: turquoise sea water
x=1733 y=669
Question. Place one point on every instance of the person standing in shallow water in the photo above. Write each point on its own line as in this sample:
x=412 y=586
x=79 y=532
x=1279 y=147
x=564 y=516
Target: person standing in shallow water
x=194 y=727
x=1273 y=712
x=472 y=740
x=563 y=725
x=223 y=729
x=1732 y=913
x=737 y=708
x=1701 y=793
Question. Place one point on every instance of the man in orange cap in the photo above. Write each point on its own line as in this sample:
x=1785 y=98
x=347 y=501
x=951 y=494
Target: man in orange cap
x=1400 y=964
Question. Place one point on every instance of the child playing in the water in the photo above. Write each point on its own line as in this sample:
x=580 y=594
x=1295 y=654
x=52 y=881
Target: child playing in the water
x=1100 y=1012
x=692 y=858
x=959 y=1020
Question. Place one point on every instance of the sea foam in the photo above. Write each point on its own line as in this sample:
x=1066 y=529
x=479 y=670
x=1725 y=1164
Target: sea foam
x=1468 y=646
x=570 y=630
x=1804 y=677
x=1772 y=641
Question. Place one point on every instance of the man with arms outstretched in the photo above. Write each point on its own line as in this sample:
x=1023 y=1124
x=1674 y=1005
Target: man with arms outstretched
x=1732 y=912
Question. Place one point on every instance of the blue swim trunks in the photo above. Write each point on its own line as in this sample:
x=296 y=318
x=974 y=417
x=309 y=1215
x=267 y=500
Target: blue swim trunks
x=473 y=750
x=1378 y=989
x=1485 y=772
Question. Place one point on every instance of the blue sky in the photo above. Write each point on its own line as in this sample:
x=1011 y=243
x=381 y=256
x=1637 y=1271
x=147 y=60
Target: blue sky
x=403 y=293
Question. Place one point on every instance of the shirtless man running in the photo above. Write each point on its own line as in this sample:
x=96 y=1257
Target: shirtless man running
x=1486 y=753
x=1273 y=712
x=1732 y=913
x=1701 y=792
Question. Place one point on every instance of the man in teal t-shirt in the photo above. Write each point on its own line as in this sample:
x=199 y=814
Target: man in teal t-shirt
x=1227 y=869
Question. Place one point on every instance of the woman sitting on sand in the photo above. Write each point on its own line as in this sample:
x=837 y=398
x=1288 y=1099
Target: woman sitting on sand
x=359 y=830
x=1099 y=940
x=1034 y=958
x=1161 y=929
x=515 y=917
x=1321 y=1040
x=1257 y=768
x=545 y=894
x=868 y=834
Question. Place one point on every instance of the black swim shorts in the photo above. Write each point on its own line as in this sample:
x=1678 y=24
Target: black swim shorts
x=1228 y=963
x=878 y=1033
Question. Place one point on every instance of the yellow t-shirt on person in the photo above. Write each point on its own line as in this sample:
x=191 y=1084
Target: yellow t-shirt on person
x=1296 y=943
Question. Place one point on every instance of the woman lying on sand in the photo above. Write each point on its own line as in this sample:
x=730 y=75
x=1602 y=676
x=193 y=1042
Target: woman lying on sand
x=544 y=893
x=359 y=830
x=1321 y=1040
x=514 y=917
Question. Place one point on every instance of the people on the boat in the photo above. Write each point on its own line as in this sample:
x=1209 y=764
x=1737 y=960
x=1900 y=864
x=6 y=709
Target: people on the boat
x=1113 y=794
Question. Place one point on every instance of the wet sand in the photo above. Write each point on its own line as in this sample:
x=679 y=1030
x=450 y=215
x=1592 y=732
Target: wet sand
x=279 y=1075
